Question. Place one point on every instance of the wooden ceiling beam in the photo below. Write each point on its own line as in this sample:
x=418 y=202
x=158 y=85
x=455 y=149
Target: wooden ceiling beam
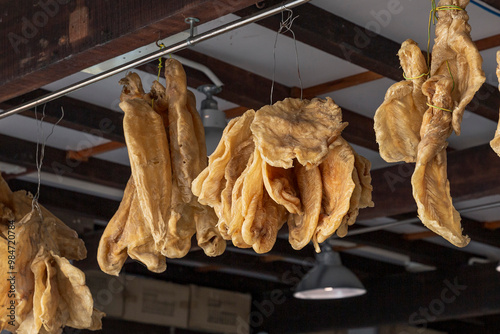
x=493 y=3
x=337 y=36
x=79 y=204
x=360 y=130
x=488 y=42
x=82 y=204
x=23 y=153
x=78 y=115
x=240 y=87
x=411 y=298
x=418 y=250
x=38 y=40
x=472 y=174
x=392 y=192
x=331 y=86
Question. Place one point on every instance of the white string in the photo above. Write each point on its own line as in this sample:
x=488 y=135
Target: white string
x=285 y=26
x=40 y=153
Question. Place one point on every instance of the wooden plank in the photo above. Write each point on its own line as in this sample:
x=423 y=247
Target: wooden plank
x=21 y=152
x=419 y=235
x=493 y=3
x=331 y=86
x=78 y=203
x=235 y=112
x=360 y=130
x=418 y=250
x=491 y=225
x=488 y=42
x=78 y=115
x=477 y=232
x=414 y=299
x=344 y=39
x=84 y=155
x=39 y=39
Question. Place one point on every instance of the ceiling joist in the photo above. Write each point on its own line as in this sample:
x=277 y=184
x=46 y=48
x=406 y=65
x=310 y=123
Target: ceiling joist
x=39 y=39
x=341 y=38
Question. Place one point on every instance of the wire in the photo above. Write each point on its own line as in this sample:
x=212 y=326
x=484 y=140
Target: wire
x=489 y=10
x=286 y=26
x=40 y=154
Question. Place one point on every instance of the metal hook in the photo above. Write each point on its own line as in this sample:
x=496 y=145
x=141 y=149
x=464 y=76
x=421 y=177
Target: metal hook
x=191 y=21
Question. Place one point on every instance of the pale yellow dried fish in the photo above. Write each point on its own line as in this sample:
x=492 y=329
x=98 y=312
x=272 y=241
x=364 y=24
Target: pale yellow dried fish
x=495 y=142
x=338 y=186
x=207 y=233
x=150 y=163
x=235 y=166
x=431 y=188
x=301 y=228
x=268 y=220
x=397 y=121
x=455 y=55
x=185 y=156
x=281 y=186
x=210 y=183
x=295 y=128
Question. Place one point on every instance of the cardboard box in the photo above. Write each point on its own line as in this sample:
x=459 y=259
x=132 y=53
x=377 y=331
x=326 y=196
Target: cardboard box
x=107 y=292
x=156 y=302
x=219 y=311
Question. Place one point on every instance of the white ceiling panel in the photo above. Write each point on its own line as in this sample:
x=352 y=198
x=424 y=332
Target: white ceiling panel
x=251 y=48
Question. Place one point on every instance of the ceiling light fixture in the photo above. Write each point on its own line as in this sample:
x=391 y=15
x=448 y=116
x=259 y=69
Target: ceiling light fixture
x=213 y=119
x=329 y=279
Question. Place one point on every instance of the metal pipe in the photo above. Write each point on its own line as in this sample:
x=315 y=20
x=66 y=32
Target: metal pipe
x=200 y=67
x=162 y=52
x=412 y=220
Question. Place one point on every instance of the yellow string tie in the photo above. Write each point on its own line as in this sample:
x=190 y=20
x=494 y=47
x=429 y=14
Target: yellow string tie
x=421 y=75
x=433 y=18
x=161 y=46
x=430 y=105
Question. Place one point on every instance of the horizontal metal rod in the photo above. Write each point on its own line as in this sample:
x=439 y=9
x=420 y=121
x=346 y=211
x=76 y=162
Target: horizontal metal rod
x=152 y=56
x=412 y=220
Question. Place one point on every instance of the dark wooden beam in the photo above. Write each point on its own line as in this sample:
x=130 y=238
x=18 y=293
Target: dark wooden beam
x=493 y=3
x=414 y=299
x=78 y=203
x=344 y=39
x=23 y=153
x=472 y=174
x=78 y=115
x=240 y=86
x=38 y=39
x=331 y=86
x=418 y=250
x=488 y=42
x=391 y=185
x=359 y=132
x=235 y=89
x=478 y=233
